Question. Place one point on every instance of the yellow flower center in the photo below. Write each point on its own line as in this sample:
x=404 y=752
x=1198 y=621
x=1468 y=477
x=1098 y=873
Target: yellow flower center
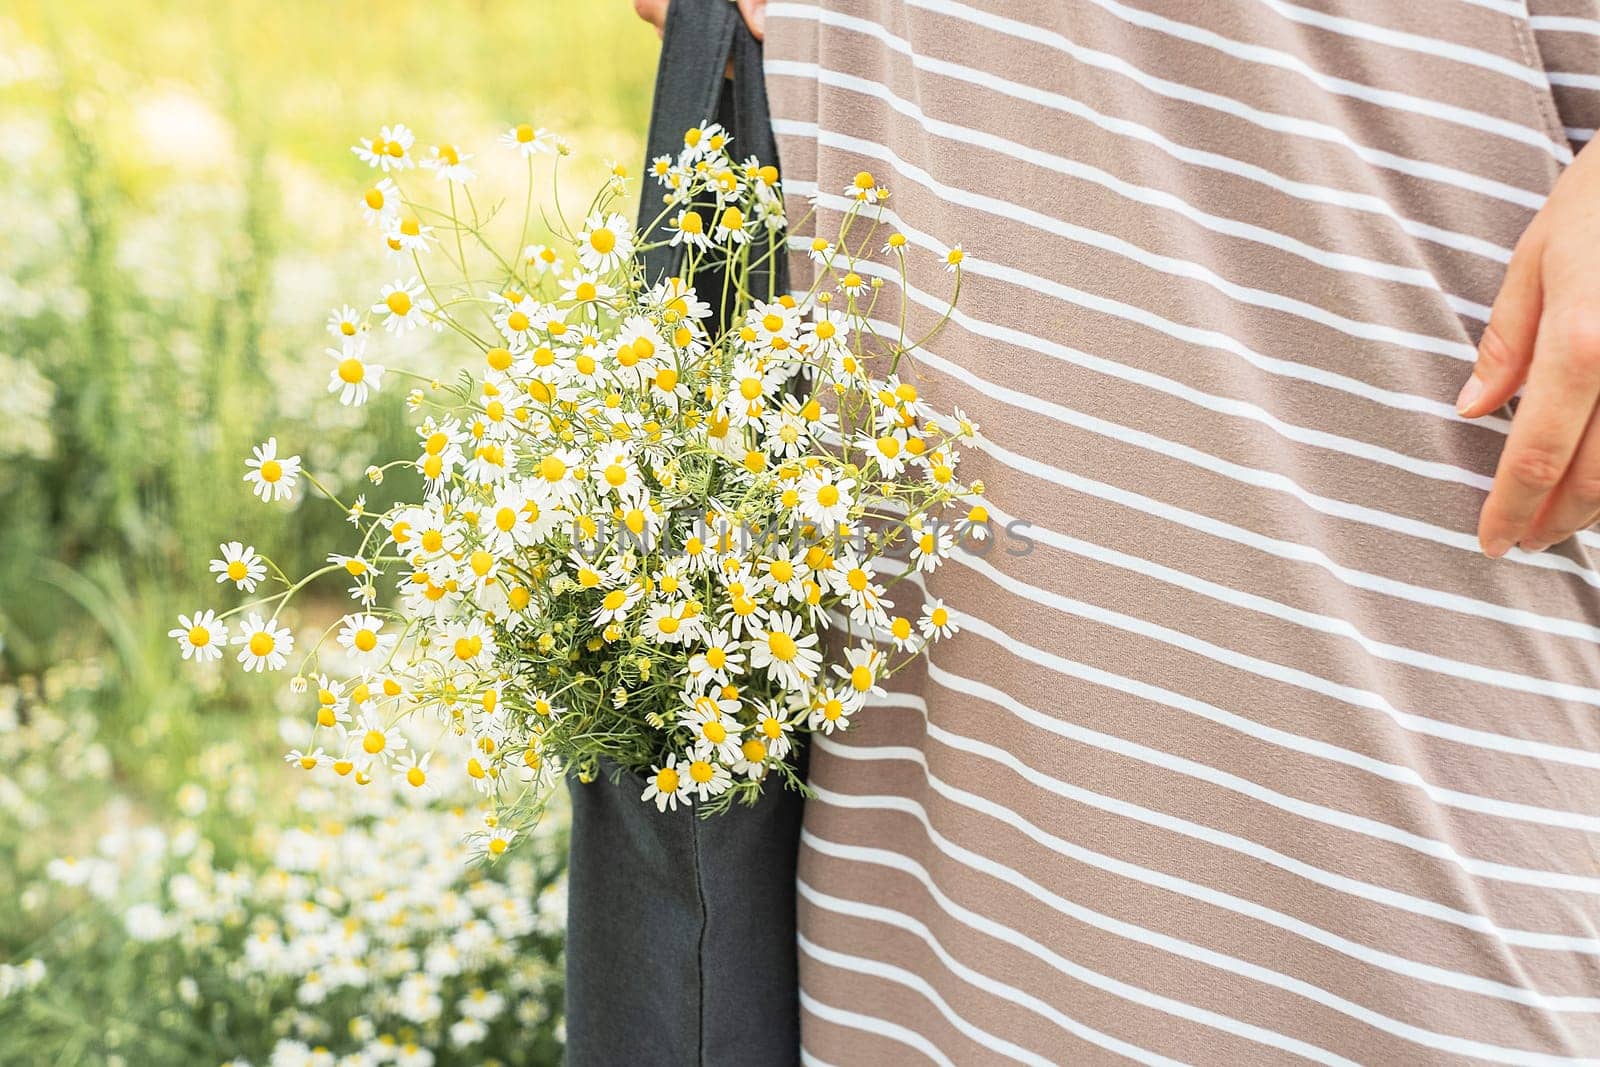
x=691 y=222
x=700 y=771
x=750 y=388
x=365 y=640
x=271 y=471
x=261 y=643
x=666 y=379
x=374 y=742
x=552 y=469
x=416 y=778
x=614 y=600
x=667 y=624
x=238 y=569
x=861 y=679
x=398 y=302
x=939 y=616
x=351 y=370
x=602 y=240
x=499 y=358
x=715 y=732
x=667 y=780
x=772 y=322
x=199 y=636
x=524 y=133
x=374 y=198
x=828 y=496
x=481 y=562
x=782 y=646
x=733 y=219
x=467 y=647
x=517 y=321
x=754 y=750
x=717 y=658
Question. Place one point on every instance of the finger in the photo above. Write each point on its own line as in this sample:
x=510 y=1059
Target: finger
x=652 y=11
x=1506 y=348
x=755 y=17
x=1557 y=404
x=1576 y=502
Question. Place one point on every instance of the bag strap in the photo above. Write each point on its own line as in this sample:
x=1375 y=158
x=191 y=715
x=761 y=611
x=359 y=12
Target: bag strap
x=700 y=40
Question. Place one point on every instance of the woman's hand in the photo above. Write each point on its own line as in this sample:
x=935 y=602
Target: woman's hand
x=754 y=11
x=1544 y=337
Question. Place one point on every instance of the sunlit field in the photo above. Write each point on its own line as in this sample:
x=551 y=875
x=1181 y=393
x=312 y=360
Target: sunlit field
x=180 y=212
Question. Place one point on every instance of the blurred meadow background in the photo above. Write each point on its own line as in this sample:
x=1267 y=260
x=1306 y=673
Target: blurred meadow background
x=179 y=211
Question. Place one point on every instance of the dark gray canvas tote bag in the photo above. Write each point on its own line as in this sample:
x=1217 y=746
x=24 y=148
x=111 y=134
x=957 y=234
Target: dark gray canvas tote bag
x=680 y=934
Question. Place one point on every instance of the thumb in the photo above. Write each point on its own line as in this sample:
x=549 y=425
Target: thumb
x=1506 y=348
x=755 y=17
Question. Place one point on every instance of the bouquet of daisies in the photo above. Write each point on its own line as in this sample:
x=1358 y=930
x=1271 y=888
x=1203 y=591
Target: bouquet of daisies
x=643 y=535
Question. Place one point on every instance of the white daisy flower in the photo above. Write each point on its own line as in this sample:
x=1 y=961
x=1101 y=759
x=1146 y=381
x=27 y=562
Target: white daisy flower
x=380 y=203
x=200 y=636
x=404 y=306
x=344 y=321
x=542 y=258
x=716 y=731
x=390 y=150
x=707 y=778
x=263 y=645
x=717 y=663
x=831 y=709
x=528 y=141
x=937 y=621
x=272 y=477
x=352 y=377
x=825 y=501
x=240 y=565
x=616 y=604
x=407 y=235
x=362 y=637
x=449 y=163
x=667 y=785
x=792 y=659
x=414 y=773
x=605 y=243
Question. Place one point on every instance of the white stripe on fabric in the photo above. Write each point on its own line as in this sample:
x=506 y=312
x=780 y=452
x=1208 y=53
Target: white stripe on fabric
x=1300 y=190
x=1116 y=987
x=1369 y=891
x=1010 y=876
x=1322 y=814
x=1315 y=747
x=1309 y=620
x=990 y=1042
x=1252 y=476
x=1251 y=296
x=1203 y=337
x=1564 y=24
x=1411 y=42
x=1273 y=121
x=972 y=977
x=1353 y=696
x=1375 y=957
x=1333 y=260
x=1395 y=101
x=1574 y=80
x=876 y=1027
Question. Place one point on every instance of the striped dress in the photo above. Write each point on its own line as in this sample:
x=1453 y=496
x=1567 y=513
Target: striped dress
x=1244 y=753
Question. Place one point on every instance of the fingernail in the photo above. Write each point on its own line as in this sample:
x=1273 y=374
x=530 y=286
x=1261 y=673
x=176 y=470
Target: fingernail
x=1536 y=546
x=1496 y=548
x=1469 y=395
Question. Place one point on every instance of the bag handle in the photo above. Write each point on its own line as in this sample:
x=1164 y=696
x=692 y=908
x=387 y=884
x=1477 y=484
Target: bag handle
x=701 y=41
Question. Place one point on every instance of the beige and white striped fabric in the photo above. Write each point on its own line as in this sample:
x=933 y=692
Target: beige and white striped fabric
x=1252 y=757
